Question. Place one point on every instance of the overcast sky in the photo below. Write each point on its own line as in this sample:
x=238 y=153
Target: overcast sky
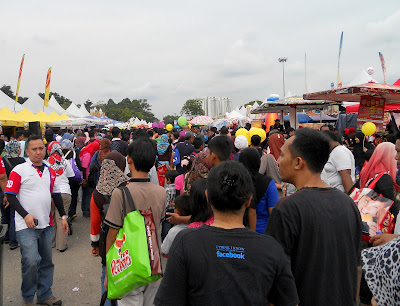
x=171 y=51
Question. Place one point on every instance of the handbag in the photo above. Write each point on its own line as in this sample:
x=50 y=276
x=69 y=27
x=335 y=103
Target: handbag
x=134 y=259
x=77 y=173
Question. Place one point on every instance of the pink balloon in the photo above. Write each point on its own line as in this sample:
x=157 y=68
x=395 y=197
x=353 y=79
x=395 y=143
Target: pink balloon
x=161 y=125
x=182 y=134
x=154 y=125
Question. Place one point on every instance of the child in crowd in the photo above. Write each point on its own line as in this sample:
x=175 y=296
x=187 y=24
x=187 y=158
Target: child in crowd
x=182 y=208
x=169 y=204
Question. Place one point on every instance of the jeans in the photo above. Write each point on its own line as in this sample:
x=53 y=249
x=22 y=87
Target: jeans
x=103 y=276
x=74 y=197
x=37 y=265
x=8 y=217
x=86 y=195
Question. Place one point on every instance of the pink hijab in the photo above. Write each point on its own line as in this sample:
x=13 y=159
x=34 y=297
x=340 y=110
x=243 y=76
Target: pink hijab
x=382 y=160
x=87 y=137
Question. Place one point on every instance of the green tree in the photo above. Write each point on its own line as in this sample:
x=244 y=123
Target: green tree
x=253 y=102
x=63 y=101
x=192 y=108
x=8 y=91
x=169 y=119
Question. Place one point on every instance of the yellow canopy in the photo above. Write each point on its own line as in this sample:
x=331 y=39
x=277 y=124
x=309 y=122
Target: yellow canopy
x=43 y=117
x=27 y=116
x=8 y=118
x=55 y=117
x=64 y=116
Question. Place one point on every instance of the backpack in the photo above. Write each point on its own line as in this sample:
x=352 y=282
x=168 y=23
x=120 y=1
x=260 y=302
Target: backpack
x=94 y=172
x=177 y=158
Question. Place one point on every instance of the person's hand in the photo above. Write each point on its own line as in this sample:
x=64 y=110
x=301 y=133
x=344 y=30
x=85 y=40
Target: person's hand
x=382 y=239
x=29 y=221
x=105 y=282
x=5 y=202
x=365 y=149
x=84 y=182
x=173 y=218
x=373 y=227
x=95 y=252
x=64 y=224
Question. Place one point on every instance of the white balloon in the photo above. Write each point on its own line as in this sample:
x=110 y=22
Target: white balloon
x=370 y=70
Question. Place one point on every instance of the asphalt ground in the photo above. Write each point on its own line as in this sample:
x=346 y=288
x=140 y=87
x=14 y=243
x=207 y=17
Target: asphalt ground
x=74 y=268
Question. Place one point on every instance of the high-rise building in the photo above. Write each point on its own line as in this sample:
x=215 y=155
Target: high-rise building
x=215 y=107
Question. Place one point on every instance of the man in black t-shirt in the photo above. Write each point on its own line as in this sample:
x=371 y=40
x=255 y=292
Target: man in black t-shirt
x=117 y=144
x=318 y=227
x=226 y=263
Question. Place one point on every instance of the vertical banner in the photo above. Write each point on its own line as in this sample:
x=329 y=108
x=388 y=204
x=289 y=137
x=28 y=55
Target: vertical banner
x=19 y=79
x=383 y=67
x=372 y=109
x=47 y=90
x=339 y=83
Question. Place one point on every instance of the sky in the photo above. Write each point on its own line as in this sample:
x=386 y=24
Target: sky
x=170 y=51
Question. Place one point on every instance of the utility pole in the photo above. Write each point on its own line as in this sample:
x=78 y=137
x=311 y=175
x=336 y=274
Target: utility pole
x=283 y=61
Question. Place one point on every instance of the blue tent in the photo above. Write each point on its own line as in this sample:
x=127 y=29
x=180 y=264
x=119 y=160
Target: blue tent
x=301 y=118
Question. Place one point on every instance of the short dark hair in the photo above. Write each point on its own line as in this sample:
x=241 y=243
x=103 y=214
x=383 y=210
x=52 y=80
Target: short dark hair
x=189 y=135
x=221 y=146
x=312 y=146
x=115 y=131
x=176 y=134
x=18 y=134
x=224 y=130
x=171 y=175
x=229 y=186
x=330 y=127
x=255 y=140
x=331 y=135
x=182 y=203
x=143 y=153
x=91 y=133
x=198 y=142
x=150 y=133
x=200 y=209
x=290 y=129
x=31 y=138
x=48 y=135
x=27 y=133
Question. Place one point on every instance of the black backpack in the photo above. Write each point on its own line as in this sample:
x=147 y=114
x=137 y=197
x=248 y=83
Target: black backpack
x=94 y=172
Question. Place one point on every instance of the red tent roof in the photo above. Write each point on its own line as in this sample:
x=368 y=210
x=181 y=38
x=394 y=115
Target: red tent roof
x=397 y=83
x=395 y=108
x=353 y=93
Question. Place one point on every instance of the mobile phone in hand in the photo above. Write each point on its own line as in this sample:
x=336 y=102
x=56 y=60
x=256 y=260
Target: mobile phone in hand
x=36 y=222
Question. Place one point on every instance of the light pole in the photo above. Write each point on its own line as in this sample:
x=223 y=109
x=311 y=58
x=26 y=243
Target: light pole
x=283 y=61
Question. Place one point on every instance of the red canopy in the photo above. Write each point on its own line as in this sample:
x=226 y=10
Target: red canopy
x=394 y=108
x=397 y=83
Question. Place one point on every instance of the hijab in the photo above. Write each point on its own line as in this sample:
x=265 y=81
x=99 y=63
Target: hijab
x=12 y=149
x=91 y=148
x=56 y=158
x=163 y=145
x=80 y=142
x=66 y=144
x=241 y=142
x=67 y=136
x=382 y=160
x=201 y=168
x=104 y=149
x=250 y=158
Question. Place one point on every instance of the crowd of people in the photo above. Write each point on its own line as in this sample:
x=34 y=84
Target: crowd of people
x=239 y=220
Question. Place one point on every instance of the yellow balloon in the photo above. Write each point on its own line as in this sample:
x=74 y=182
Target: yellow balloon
x=368 y=128
x=243 y=132
x=258 y=131
x=169 y=127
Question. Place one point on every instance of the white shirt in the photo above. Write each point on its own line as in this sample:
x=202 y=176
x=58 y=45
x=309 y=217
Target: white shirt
x=62 y=180
x=33 y=190
x=340 y=159
x=169 y=239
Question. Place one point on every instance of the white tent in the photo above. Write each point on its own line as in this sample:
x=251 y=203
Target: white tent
x=6 y=101
x=84 y=111
x=235 y=115
x=36 y=104
x=74 y=111
x=362 y=78
x=54 y=104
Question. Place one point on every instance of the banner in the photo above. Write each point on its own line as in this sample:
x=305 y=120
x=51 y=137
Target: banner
x=372 y=109
x=339 y=83
x=383 y=67
x=19 y=79
x=47 y=90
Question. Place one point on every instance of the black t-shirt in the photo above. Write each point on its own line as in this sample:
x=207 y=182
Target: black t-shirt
x=215 y=266
x=320 y=229
x=185 y=149
x=119 y=146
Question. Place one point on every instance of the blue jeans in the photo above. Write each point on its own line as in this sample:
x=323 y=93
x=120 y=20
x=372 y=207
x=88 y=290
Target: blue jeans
x=37 y=265
x=103 y=276
x=86 y=196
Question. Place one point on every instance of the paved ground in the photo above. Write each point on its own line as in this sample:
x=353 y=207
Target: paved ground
x=74 y=268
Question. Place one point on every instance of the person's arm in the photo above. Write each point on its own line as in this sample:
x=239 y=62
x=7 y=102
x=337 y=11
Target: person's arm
x=58 y=203
x=3 y=181
x=252 y=218
x=378 y=240
x=174 y=218
x=111 y=237
x=347 y=182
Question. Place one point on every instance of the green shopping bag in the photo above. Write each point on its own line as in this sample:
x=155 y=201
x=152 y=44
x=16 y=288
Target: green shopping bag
x=134 y=259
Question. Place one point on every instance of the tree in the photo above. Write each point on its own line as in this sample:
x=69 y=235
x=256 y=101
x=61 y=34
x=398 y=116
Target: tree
x=192 y=108
x=8 y=91
x=253 y=102
x=169 y=119
x=110 y=102
x=88 y=104
x=63 y=101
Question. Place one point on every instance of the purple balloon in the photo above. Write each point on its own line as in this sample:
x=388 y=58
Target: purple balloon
x=154 y=125
x=182 y=134
x=161 y=125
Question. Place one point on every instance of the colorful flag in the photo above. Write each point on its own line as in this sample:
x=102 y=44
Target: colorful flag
x=383 y=67
x=47 y=90
x=19 y=78
x=338 y=65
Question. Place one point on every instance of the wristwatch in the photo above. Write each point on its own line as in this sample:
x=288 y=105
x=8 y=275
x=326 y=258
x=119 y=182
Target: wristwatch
x=65 y=217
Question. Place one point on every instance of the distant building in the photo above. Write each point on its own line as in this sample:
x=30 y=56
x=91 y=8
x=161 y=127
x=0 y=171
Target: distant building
x=215 y=107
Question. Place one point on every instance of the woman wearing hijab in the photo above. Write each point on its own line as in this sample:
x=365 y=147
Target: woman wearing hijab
x=111 y=176
x=10 y=159
x=63 y=170
x=164 y=151
x=98 y=157
x=265 y=194
x=362 y=150
x=86 y=155
x=200 y=169
x=240 y=143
